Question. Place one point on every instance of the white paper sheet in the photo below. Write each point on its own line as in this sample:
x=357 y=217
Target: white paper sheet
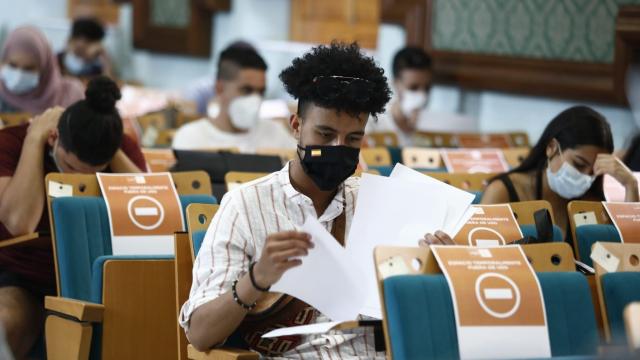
x=327 y=278
x=320 y=328
x=458 y=201
x=390 y=212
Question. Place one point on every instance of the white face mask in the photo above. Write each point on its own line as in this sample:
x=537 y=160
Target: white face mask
x=568 y=182
x=19 y=81
x=245 y=111
x=412 y=101
x=74 y=64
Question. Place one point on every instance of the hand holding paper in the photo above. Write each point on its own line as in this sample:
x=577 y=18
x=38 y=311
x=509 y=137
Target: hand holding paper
x=282 y=251
x=327 y=279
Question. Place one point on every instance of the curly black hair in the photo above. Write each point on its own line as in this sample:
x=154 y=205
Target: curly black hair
x=341 y=64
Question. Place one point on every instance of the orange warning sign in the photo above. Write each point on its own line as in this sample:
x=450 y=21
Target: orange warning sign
x=626 y=218
x=492 y=286
x=495 y=292
x=474 y=161
x=500 y=141
x=159 y=160
x=141 y=204
x=491 y=225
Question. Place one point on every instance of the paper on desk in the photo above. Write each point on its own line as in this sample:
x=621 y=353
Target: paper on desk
x=320 y=328
x=390 y=212
x=458 y=201
x=327 y=278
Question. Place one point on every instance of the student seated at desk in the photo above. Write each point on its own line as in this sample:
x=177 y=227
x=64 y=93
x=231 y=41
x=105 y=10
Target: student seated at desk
x=412 y=83
x=239 y=88
x=85 y=138
x=254 y=232
x=30 y=80
x=567 y=163
x=85 y=56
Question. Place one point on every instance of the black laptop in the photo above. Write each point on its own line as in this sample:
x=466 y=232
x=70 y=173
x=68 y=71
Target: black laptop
x=218 y=164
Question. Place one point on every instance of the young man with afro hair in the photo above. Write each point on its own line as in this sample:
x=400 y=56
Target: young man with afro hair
x=252 y=241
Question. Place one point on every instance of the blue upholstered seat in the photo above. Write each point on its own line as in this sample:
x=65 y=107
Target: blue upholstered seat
x=83 y=246
x=587 y=235
x=530 y=230
x=619 y=289
x=421 y=319
x=83 y=236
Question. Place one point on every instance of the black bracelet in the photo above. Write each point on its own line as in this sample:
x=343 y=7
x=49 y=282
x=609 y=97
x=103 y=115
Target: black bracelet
x=253 y=279
x=236 y=298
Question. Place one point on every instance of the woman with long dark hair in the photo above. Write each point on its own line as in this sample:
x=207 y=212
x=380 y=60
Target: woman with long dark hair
x=566 y=164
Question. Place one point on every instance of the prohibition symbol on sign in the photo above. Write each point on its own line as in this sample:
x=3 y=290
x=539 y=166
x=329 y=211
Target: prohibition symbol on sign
x=142 y=209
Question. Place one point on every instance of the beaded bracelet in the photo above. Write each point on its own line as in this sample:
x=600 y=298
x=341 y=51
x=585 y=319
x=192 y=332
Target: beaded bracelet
x=236 y=298
x=253 y=279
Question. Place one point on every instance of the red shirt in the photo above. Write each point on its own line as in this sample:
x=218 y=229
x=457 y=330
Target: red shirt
x=35 y=263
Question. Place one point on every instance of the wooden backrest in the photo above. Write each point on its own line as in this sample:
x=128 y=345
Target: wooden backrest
x=159 y=160
x=382 y=138
x=14 y=119
x=579 y=208
x=183 y=267
x=469 y=182
x=186 y=182
x=234 y=178
x=198 y=219
x=165 y=137
x=632 y=326
x=515 y=156
x=550 y=257
x=435 y=139
x=157 y=120
x=183 y=118
x=447 y=139
x=519 y=139
x=629 y=256
x=192 y=182
x=524 y=210
x=376 y=156
x=422 y=158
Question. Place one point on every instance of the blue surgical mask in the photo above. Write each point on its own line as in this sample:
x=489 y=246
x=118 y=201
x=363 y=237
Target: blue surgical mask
x=19 y=81
x=568 y=182
x=75 y=64
x=79 y=66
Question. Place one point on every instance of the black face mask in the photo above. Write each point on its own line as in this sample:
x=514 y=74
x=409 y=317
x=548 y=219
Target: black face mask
x=329 y=166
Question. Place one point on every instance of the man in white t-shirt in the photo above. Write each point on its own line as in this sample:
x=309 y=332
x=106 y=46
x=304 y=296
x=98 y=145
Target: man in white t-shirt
x=240 y=87
x=412 y=83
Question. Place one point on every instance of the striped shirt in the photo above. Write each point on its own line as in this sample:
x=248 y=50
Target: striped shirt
x=236 y=236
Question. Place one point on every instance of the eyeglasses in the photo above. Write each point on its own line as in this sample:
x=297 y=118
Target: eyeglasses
x=332 y=87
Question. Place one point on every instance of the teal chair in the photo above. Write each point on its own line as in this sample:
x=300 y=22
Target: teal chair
x=108 y=306
x=396 y=154
x=587 y=235
x=530 y=230
x=199 y=217
x=619 y=289
x=477 y=197
x=421 y=322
